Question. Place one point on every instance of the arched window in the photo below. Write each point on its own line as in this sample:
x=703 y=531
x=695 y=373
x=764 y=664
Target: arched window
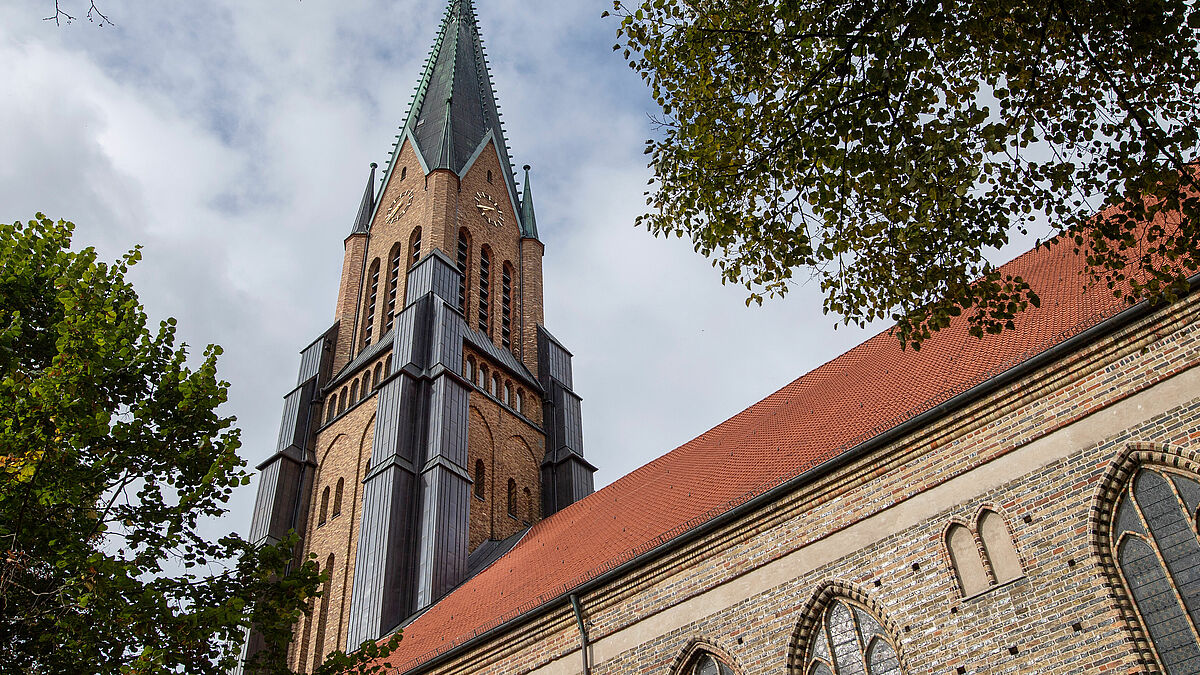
x=520 y=400
x=366 y=385
x=508 y=393
x=372 y=294
x=998 y=547
x=342 y=400
x=353 y=392
x=337 y=497
x=387 y=365
x=483 y=376
x=849 y=639
x=324 y=513
x=378 y=373
x=396 y=257
x=464 y=257
x=414 y=247
x=403 y=173
x=980 y=568
x=512 y=498
x=706 y=664
x=964 y=555
x=469 y=370
x=494 y=389
x=485 y=271
x=489 y=175
x=506 y=305
x=1156 y=549
x=332 y=408
x=479 y=478
x=528 y=505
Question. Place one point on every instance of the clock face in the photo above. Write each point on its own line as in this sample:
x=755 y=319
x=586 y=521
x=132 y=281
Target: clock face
x=489 y=209
x=399 y=206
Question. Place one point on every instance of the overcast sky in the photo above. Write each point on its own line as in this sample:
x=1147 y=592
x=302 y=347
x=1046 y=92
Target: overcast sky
x=232 y=140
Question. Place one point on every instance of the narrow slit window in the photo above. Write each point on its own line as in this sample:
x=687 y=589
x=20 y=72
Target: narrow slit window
x=464 y=255
x=485 y=264
x=393 y=286
x=480 y=475
x=372 y=295
x=506 y=306
x=324 y=514
x=415 y=247
x=337 y=498
x=512 y=498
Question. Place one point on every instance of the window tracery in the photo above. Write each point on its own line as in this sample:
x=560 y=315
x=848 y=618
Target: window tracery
x=847 y=640
x=1155 y=548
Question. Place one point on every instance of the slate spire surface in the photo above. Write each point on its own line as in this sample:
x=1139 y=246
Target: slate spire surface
x=362 y=223
x=454 y=110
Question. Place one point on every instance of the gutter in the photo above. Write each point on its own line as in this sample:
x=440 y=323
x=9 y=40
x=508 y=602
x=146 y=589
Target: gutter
x=1109 y=325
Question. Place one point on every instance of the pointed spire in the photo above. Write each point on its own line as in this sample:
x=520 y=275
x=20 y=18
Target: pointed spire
x=362 y=224
x=455 y=108
x=528 y=221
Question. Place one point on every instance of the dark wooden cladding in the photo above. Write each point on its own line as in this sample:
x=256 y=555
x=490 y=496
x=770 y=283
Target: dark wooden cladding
x=412 y=546
x=384 y=567
x=566 y=476
x=436 y=274
x=554 y=360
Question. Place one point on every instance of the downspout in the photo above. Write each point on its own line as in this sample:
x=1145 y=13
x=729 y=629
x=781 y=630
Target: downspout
x=583 y=636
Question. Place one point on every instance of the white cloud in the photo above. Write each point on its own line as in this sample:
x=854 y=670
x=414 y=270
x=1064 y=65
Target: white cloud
x=232 y=139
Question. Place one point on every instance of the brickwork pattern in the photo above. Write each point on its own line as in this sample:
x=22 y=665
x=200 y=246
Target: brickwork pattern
x=908 y=573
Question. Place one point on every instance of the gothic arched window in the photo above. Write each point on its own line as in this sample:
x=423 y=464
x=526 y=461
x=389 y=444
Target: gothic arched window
x=508 y=393
x=343 y=400
x=332 y=411
x=403 y=173
x=848 y=639
x=985 y=556
x=353 y=392
x=706 y=664
x=520 y=400
x=1156 y=550
x=337 y=498
x=378 y=372
x=512 y=498
x=395 y=257
x=372 y=295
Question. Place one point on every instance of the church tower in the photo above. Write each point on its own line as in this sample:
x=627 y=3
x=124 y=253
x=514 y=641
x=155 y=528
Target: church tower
x=434 y=422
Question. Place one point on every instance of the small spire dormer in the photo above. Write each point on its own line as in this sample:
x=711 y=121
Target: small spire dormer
x=362 y=223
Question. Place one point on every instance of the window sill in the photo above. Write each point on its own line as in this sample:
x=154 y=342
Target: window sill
x=994 y=587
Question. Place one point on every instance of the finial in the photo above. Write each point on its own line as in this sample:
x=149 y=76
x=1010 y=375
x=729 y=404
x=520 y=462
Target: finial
x=526 y=167
x=374 y=165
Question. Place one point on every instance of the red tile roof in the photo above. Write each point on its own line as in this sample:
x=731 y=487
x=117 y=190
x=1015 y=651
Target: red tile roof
x=868 y=390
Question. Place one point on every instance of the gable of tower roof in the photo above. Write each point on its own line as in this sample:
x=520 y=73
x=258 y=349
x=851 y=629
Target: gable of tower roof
x=815 y=421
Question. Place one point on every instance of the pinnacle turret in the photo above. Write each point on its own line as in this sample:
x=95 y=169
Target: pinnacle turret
x=362 y=223
x=528 y=221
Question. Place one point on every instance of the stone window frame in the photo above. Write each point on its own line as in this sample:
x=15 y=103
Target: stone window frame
x=984 y=555
x=1134 y=456
x=826 y=594
x=695 y=647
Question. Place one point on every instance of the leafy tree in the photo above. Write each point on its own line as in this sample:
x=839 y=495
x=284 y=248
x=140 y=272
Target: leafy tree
x=884 y=145
x=111 y=450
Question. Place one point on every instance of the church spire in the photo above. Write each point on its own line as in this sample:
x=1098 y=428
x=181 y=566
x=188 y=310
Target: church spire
x=362 y=224
x=454 y=110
